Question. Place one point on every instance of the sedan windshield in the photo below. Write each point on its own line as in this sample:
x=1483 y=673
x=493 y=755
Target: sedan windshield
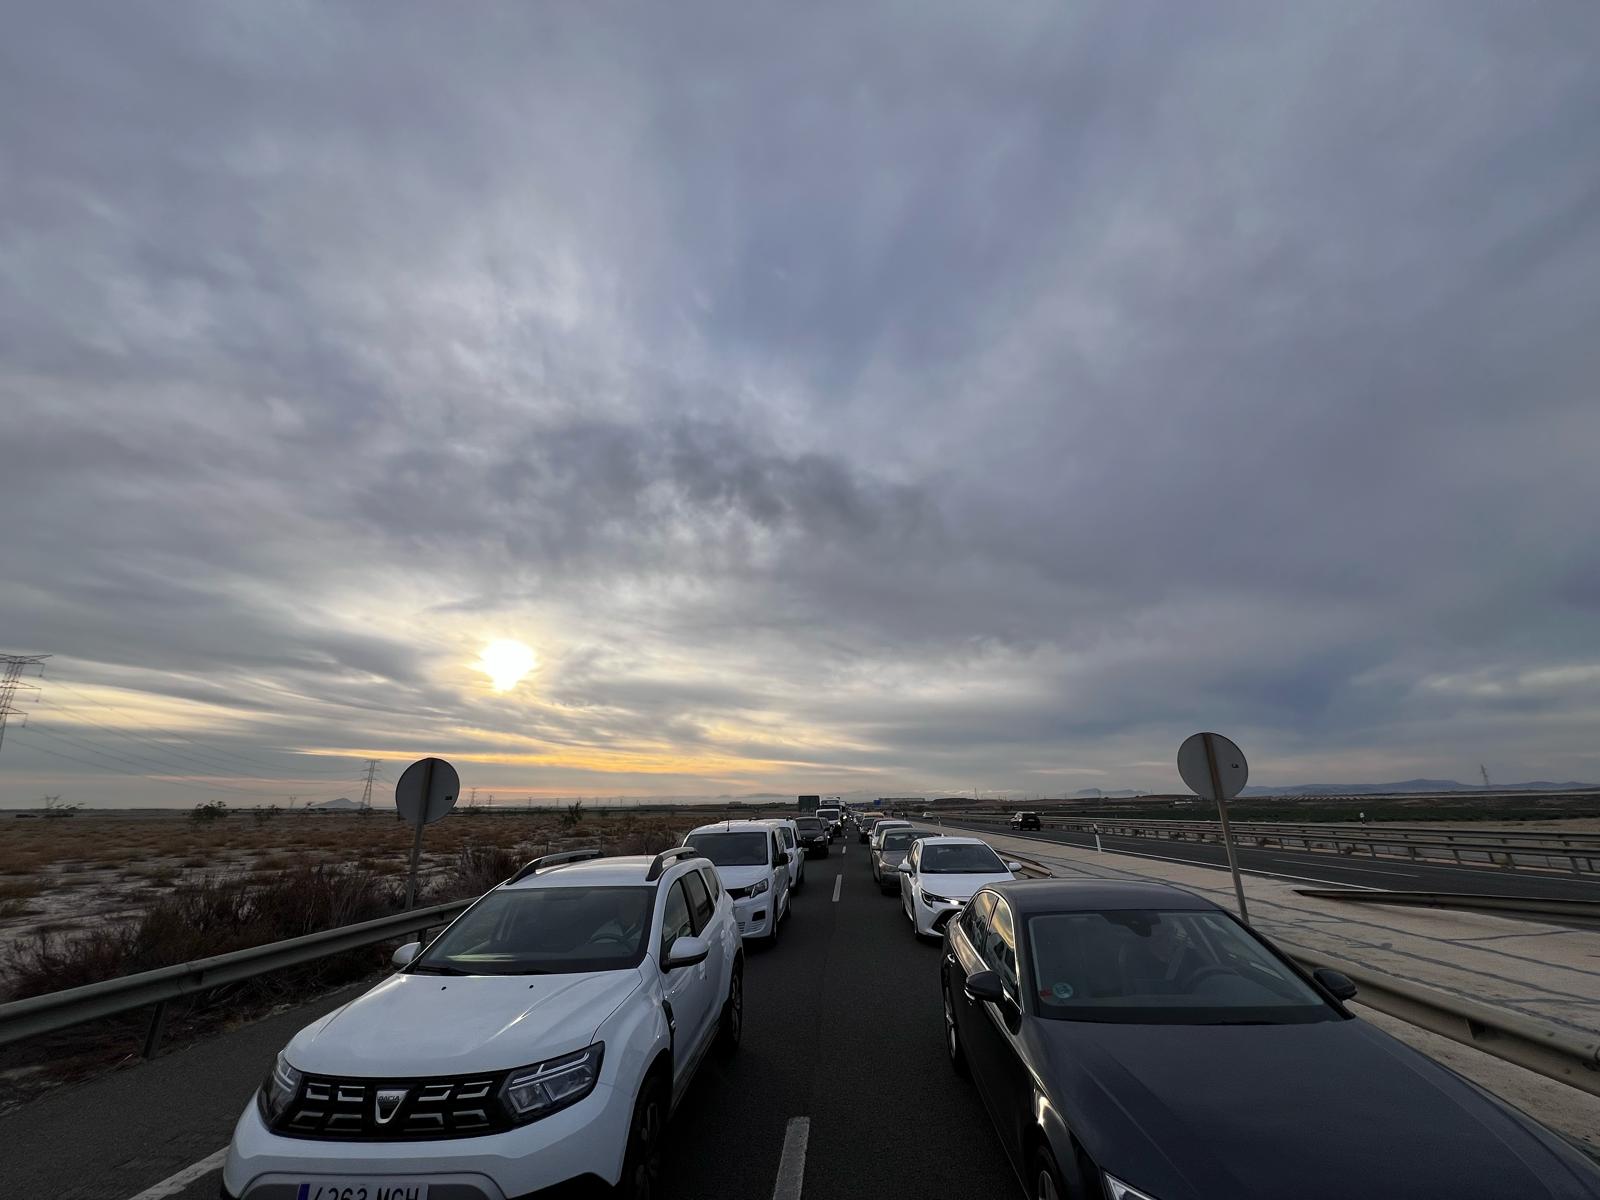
x=545 y=931
x=962 y=858
x=1189 y=967
x=809 y=827
x=900 y=839
x=731 y=849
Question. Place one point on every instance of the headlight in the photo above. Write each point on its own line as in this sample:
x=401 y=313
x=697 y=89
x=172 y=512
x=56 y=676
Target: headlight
x=930 y=898
x=537 y=1091
x=279 y=1089
x=758 y=888
x=1117 y=1190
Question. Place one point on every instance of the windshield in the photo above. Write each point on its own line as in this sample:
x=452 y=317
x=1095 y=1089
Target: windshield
x=545 y=931
x=1162 y=967
x=809 y=826
x=898 y=839
x=960 y=859
x=747 y=849
x=828 y=814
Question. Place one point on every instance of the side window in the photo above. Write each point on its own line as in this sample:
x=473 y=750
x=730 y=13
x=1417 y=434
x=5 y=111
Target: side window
x=776 y=848
x=788 y=838
x=1002 y=955
x=915 y=857
x=675 y=919
x=699 y=899
x=713 y=884
x=975 y=919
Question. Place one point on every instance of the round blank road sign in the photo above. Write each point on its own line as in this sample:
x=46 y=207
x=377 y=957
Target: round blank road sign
x=443 y=786
x=1232 y=770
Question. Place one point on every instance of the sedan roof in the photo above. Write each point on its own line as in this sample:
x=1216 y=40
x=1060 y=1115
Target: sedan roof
x=1031 y=896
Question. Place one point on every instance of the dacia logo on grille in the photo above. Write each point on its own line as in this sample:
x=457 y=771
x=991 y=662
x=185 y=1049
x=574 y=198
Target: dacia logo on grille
x=388 y=1103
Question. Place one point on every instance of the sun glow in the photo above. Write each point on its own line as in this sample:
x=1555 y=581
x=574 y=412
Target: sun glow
x=505 y=662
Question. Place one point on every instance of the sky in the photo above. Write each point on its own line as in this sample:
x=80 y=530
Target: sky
x=902 y=398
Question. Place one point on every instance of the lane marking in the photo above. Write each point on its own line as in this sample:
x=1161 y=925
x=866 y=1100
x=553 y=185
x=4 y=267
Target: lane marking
x=838 y=882
x=174 y=1184
x=792 y=1164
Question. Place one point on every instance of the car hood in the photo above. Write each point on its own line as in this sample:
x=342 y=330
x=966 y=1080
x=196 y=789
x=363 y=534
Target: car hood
x=1324 y=1111
x=742 y=877
x=449 y=1025
x=959 y=887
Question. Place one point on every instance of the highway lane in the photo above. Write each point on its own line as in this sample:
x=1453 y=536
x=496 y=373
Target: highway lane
x=843 y=1027
x=1328 y=869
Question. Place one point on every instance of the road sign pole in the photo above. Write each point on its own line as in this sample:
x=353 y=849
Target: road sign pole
x=416 y=840
x=1227 y=835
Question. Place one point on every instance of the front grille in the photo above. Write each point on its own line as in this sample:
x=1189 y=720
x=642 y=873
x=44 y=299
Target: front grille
x=738 y=893
x=411 y=1109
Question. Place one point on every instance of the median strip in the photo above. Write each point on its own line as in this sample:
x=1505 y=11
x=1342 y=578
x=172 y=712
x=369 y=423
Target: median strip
x=838 y=882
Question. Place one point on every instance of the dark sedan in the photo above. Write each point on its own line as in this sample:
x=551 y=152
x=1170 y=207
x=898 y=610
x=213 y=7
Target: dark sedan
x=1135 y=1041
x=814 y=835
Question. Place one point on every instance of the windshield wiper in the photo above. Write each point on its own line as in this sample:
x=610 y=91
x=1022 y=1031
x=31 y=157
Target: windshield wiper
x=435 y=969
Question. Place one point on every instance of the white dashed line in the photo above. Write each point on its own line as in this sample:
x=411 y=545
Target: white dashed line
x=174 y=1184
x=792 y=1166
x=838 y=882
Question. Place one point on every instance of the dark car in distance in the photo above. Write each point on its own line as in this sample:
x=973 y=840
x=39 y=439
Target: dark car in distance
x=814 y=835
x=1025 y=820
x=1137 y=1042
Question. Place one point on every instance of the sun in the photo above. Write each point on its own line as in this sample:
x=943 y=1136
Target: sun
x=505 y=662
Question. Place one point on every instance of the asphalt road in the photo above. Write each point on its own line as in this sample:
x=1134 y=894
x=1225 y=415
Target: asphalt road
x=1330 y=869
x=843 y=1027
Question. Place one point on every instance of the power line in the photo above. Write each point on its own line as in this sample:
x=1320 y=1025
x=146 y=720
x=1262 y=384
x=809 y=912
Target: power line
x=145 y=767
x=202 y=787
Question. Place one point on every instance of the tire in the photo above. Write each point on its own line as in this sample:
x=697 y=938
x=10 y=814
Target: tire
x=730 y=1029
x=1044 y=1177
x=641 y=1164
x=954 y=1051
x=777 y=928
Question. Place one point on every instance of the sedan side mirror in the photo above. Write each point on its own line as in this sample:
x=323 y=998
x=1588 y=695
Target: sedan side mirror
x=904 y=867
x=985 y=985
x=1013 y=867
x=403 y=956
x=686 y=952
x=1336 y=983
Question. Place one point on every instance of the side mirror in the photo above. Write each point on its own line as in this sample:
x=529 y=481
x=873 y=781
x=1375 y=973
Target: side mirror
x=1013 y=867
x=904 y=868
x=985 y=985
x=1338 y=984
x=686 y=952
x=403 y=956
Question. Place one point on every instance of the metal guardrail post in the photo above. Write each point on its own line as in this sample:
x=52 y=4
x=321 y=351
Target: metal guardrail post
x=152 y=1035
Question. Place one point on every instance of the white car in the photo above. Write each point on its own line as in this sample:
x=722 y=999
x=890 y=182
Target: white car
x=940 y=875
x=754 y=866
x=542 y=1039
x=833 y=818
x=789 y=833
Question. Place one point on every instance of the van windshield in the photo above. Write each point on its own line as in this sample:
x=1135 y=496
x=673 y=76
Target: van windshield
x=746 y=849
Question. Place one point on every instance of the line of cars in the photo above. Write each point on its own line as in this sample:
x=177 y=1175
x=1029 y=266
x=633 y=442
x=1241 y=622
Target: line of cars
x=1130 y=1042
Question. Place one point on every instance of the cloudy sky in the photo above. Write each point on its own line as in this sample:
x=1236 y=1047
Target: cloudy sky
x=835 y=397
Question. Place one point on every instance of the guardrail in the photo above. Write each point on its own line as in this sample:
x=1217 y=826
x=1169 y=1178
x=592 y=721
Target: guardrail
x=113 y=997
x=1578 y=853
x=1585 y=913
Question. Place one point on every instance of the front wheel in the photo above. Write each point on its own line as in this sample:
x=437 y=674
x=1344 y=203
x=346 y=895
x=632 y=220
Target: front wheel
x=954 y=1051
x=641 y=1165
x=731 y=1028
x=1045 y=1179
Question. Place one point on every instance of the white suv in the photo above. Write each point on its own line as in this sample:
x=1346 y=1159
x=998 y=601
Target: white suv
x=754 y=866
x=789 y=835
x=543 y=1038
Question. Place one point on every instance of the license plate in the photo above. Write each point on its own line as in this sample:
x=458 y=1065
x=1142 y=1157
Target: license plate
x=363 y=1189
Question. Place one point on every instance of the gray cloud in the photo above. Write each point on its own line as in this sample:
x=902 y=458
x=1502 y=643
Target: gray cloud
x=925 y=396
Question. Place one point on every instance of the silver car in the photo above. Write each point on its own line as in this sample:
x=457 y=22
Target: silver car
x=887 y=855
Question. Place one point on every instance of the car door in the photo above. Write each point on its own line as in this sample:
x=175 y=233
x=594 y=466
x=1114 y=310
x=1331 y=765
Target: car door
x=683 y=988
x=795 y=859
x=1010 y=1082
x=780 y=874
x=908 y=890
x=967 y=945
x=702 y=912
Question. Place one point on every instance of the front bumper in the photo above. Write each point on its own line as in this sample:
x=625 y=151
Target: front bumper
x=931 y=919
x=756 y=914
x=570 y=1149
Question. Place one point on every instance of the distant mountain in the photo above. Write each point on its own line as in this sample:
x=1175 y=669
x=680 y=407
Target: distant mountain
x=342 y=804
x=1406 y=785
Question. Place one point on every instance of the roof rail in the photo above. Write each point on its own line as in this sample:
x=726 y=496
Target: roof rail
x=659 y=863
x=555 y=860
